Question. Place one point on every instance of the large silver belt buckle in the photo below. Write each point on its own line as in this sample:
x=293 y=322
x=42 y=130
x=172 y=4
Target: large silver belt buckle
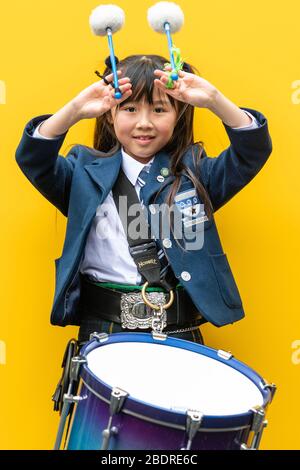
x=136 y=314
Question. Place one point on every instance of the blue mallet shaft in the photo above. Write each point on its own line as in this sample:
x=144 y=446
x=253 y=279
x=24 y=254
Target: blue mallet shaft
x=118 y=93
x=174 y=76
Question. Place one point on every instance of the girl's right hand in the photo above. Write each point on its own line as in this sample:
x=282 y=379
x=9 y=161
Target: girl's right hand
x=98 y=98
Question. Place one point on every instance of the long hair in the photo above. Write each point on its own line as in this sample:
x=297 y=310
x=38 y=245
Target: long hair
x=140 y=68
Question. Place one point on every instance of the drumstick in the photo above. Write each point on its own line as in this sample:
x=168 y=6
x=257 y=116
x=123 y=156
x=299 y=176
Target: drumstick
x=167 y=17
x=104 y=21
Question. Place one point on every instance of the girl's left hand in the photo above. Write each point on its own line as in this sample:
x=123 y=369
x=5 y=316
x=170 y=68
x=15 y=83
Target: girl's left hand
x=189 y=88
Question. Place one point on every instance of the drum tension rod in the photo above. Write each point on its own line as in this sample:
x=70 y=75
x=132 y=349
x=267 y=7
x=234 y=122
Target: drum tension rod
x=193 y=422
x=117 y=400
x=68 y=398
x=257 y=426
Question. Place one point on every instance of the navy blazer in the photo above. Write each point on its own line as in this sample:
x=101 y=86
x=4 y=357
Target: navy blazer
x=78 y=183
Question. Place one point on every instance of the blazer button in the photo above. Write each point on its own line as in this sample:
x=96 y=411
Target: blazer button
x=167 y=243
x=185 y=275
x=160 y=178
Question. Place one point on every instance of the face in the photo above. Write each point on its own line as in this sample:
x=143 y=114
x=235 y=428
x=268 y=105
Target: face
x=135 y=119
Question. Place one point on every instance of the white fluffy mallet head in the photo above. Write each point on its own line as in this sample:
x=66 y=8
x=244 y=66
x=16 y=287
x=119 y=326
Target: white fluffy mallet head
x=106 y=16
x=163 y=12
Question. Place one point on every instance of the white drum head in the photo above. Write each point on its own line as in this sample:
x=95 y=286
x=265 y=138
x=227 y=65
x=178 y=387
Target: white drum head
x=174 y=378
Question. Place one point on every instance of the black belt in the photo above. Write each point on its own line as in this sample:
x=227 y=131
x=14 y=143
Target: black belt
x=105 y=304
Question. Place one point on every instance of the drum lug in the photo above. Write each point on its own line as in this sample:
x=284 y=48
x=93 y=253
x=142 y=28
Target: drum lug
x=193 y=423
x=225 y=354
x=272 y=388
x=117 y=400
x=100 y=337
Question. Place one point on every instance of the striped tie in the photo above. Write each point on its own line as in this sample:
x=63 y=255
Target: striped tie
x=142 y=178
x=143 y=175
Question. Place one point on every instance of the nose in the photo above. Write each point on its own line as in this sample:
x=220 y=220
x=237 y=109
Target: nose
x=144 y=120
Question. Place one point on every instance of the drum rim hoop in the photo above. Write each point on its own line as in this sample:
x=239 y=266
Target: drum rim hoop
x=141 y=408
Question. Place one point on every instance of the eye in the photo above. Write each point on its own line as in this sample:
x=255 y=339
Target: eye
x=130 y=107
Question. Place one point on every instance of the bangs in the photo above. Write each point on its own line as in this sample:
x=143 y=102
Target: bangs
x=141 y=75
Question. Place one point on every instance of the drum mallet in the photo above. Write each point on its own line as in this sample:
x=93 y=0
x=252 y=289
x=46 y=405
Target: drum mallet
x=167 y=17
x=106 y=20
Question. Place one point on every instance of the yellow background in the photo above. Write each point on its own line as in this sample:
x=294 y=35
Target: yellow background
x=250 y=51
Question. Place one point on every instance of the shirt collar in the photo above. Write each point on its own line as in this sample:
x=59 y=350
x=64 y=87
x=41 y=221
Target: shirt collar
x=132 y=167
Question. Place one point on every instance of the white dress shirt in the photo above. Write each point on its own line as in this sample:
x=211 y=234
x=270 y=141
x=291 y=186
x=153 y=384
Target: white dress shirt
x=106 y=256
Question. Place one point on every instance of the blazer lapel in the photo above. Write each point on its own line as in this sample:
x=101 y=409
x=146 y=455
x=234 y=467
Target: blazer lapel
x=161 y=160
x=103 y=172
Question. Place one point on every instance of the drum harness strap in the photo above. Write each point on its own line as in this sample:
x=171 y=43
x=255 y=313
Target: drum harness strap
x=143 y=250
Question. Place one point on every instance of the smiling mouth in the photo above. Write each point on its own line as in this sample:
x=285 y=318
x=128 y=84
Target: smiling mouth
x=145 y=138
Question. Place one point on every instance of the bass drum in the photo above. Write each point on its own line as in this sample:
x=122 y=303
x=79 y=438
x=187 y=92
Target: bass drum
x=138 y=392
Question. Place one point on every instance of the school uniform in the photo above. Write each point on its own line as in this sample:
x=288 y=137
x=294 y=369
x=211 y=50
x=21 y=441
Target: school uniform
x=80 y=185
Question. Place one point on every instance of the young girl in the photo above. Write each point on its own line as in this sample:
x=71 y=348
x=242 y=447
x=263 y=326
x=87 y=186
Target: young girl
x=150 y=128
